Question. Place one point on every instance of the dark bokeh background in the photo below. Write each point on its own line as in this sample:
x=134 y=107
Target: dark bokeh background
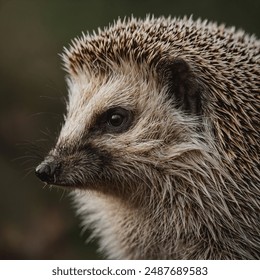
x=36 y=222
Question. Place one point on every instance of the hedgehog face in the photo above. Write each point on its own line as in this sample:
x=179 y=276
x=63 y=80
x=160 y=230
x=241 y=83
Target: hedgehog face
x=114 y=133
x=109 y=123
x=126 y=109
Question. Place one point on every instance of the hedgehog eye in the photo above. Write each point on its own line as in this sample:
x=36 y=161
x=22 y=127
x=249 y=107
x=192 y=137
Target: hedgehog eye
x=118 y=119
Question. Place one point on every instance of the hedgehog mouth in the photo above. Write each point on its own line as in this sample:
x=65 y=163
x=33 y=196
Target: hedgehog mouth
x=63 y=184
x=67 y=186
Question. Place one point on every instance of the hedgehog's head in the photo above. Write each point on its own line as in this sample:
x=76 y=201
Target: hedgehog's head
x=132 y=111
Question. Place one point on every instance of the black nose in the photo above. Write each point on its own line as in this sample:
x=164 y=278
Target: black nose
x=47 y=171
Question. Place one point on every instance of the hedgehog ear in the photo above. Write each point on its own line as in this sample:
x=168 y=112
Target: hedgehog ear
x=183 y=87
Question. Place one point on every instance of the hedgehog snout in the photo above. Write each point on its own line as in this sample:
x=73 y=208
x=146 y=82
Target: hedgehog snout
x=48 y=170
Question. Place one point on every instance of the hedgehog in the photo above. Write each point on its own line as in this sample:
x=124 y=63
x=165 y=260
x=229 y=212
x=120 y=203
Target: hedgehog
x=160 y=142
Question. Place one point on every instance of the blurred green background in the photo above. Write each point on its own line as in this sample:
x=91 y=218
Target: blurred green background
x=36 y=222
